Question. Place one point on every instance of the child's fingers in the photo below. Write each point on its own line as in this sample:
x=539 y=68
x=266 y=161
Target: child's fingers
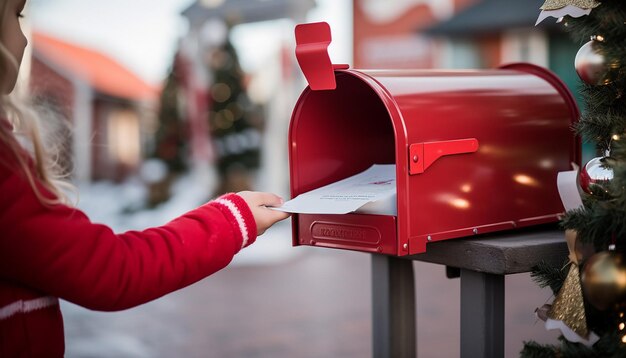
x=269 y=199
x=257 y=198
x=277 y=215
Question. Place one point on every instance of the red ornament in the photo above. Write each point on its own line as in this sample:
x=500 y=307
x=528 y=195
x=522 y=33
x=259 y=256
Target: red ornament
x=595 y=177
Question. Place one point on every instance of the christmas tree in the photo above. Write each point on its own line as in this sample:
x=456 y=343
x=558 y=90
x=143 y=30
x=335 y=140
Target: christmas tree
x=590 y=291
x=170 y=148
x=234 y=122
x=170 y=142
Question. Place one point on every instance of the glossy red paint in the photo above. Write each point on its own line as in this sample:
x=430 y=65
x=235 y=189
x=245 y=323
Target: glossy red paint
x=496 y=141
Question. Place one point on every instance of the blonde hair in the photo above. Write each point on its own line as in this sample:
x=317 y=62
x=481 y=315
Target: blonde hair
x=47 y=171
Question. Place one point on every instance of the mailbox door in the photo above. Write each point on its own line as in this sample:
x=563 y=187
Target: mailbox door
x=335 y=134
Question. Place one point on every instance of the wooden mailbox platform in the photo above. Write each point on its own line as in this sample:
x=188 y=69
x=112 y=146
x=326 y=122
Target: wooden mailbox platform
x=483 y=262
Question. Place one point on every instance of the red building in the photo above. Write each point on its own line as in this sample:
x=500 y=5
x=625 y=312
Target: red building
x=389 y=33
x=111 y=109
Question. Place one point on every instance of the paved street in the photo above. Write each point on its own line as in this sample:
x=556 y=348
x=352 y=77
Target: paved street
x=305 y=302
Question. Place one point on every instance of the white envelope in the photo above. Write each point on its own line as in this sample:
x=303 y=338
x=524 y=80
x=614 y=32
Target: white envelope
x=372 y=191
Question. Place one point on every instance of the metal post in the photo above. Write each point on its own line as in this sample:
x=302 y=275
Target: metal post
x=482 y=315
x=393 y=307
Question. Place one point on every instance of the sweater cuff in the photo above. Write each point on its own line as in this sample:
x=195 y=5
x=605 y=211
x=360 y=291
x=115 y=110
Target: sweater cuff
x=240 y=217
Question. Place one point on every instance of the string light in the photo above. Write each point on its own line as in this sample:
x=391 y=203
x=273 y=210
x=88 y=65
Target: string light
x=621 y=325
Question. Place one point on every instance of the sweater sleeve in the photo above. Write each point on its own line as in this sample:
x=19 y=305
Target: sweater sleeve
x=58 y=250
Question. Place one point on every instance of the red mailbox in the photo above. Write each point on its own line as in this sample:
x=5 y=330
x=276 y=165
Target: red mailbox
x=476 y=151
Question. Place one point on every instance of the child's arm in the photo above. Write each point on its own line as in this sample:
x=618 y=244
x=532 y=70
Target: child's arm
x=59 y=251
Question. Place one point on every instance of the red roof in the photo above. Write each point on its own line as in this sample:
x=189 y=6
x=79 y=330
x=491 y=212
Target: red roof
x=102 y=72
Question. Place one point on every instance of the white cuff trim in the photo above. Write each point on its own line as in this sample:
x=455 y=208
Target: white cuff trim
x=22 y=306
x=237 y=214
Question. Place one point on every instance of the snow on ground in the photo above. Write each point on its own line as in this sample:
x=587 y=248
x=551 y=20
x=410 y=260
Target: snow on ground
x=121 y=207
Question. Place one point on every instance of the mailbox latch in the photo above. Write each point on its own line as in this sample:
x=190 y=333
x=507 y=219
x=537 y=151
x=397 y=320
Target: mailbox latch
x=422 y=155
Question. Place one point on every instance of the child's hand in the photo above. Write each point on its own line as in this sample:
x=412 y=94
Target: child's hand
x=258 y=203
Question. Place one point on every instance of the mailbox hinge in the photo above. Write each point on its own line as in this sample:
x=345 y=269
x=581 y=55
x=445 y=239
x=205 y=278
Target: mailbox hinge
x=422 y=155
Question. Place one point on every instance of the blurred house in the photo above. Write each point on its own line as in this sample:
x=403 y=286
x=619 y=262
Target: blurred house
x=490 y=33
x=111 y=110
x=459 y=34
x=389 y=33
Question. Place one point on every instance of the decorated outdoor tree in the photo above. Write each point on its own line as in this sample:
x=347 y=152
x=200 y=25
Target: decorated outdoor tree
x=590 y=291
x=167 y=158
x=171 y=133
x=234 y=122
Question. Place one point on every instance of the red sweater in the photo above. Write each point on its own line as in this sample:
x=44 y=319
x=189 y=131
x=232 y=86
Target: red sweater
x=50 y=252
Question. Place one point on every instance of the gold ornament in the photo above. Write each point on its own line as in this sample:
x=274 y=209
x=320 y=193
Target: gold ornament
x=604 y=279
x=557 y=4
x=568 y=306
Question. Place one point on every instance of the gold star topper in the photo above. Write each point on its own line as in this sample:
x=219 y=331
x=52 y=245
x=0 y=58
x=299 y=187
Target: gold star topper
x=558 y=4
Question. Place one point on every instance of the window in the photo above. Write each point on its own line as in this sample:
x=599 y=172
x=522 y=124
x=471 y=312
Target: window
x=124 y=137
x=525 y=45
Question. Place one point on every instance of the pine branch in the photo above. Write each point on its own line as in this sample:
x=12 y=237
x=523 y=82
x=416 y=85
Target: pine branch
x=546 y=275
x=535 y=350
x=599 y=222
x=606 y=20
x=605 y=113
